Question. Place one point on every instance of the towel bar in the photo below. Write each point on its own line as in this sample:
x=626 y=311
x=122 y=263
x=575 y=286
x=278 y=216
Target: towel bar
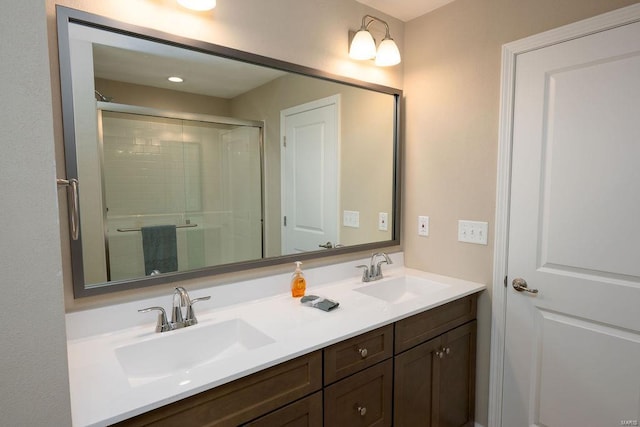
x=124 y=230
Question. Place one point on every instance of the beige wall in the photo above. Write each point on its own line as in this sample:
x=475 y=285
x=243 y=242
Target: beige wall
x=34 y=388
x=363 y=148
x=452 y=82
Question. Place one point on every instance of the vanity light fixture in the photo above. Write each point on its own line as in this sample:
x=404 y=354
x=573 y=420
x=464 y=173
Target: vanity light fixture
x=199 y=5
x=175 y=79
x=363 y=45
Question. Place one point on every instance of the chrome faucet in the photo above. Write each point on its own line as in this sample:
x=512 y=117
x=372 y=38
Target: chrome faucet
x=374 y=270
x=182 y=314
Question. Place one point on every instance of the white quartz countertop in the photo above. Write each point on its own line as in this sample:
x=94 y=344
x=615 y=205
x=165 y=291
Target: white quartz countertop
x=102 y=393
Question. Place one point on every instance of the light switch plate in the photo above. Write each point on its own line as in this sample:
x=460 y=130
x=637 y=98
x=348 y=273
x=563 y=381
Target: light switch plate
x=423 y=225
x=383 y=221
x=351 y=219
x=473 y=232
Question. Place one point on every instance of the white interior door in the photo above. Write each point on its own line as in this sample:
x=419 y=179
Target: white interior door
x=310 y=175
x=572 y=351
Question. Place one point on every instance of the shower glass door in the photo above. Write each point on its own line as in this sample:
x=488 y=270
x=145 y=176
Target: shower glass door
x=203 y=177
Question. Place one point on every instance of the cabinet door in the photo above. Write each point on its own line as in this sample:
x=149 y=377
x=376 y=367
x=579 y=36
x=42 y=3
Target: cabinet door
x=435 y=381
x=456 y=388
x=363 y=399
x=415 y=372
x=305 y=412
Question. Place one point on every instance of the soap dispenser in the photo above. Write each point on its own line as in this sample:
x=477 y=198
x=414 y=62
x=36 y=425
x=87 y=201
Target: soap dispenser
x=298 y=282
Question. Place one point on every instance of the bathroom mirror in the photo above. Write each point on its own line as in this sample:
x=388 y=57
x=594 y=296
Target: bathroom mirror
x=247 y=162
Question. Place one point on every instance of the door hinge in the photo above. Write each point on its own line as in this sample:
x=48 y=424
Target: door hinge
x=285 y=221
x=505 y=281
x=284 y=141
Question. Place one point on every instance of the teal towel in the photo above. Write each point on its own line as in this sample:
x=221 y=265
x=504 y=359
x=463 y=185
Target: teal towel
x=159 y=248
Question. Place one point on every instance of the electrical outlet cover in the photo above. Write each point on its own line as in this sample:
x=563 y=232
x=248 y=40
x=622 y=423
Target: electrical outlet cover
x=423 y=225
x=383 y=221
x=473 y=232
x=351 y=219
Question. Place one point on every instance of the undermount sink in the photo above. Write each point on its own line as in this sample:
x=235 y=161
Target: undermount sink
x=170 y=352
x=401 y=289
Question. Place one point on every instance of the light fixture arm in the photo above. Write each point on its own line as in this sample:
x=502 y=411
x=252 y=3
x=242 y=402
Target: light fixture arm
x=365 y=24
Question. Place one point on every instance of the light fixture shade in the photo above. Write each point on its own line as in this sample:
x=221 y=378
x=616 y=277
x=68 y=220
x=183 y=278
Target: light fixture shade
x=362 y=46
x=388 y=53
x=200 y=5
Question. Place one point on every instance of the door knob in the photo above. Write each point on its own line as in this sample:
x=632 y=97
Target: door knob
x=520 y=285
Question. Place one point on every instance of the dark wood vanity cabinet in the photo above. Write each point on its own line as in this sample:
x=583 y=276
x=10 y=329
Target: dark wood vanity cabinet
x=434 y=382
x=419 y=371
x=434 y=372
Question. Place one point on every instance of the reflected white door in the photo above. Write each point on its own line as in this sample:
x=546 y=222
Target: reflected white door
x=572 y=351
x=309 y=175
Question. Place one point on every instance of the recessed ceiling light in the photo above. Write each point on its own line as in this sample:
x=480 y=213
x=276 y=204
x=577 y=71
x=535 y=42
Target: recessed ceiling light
x=175 y=79
x=198 y=4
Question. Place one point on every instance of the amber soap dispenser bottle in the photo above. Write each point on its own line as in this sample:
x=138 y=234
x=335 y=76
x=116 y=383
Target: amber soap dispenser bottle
x=298 y=282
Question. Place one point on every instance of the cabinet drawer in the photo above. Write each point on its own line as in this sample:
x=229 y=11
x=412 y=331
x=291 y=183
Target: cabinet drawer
x=355 y=354
x=363 y=399
x=305 y=412
x=431 y=323
x=241 y=400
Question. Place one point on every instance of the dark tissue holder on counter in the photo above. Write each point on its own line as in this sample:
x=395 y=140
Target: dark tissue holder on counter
x=319 y=302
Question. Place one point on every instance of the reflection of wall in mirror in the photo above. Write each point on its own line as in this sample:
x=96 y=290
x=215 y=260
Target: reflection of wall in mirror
x=163 y=99
x=88 y=154
x=367 y=120
x=366 y=147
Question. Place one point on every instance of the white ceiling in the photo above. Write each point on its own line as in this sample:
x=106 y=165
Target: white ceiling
x=203 y=74
x=405 y=10
x=139 y=61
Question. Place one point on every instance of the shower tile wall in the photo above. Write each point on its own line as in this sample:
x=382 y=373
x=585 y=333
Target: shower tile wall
x=145 y=175
x=146 y=163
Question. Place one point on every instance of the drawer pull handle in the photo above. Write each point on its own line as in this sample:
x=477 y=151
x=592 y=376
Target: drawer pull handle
x=362 y=410
x=443 y=351
x=363 y=353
